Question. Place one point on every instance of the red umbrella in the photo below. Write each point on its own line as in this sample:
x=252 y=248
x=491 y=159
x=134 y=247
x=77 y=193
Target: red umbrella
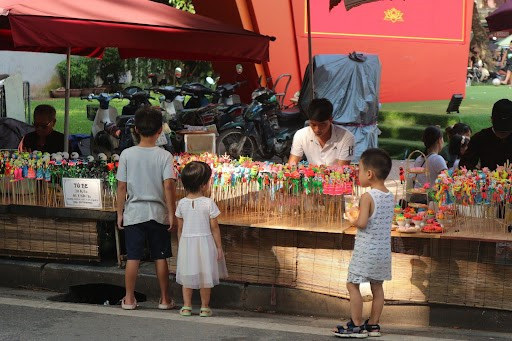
x=501 y=18
x=138 y=28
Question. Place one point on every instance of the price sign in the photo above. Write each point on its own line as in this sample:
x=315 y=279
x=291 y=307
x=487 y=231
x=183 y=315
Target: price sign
x=82 y=193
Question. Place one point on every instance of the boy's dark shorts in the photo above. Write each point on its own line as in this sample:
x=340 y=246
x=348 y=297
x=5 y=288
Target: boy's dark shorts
x=159 y=240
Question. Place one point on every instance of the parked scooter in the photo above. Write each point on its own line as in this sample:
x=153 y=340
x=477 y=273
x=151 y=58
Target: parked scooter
x=104 y=129
x=138 y=98
x=225 y=105
x=265 y=128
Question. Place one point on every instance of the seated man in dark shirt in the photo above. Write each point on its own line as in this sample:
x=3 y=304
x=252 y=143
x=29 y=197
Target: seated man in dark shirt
x=44 y=138
x=492 y=147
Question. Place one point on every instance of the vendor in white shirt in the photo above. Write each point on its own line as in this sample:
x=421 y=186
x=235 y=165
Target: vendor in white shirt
x=323 y=142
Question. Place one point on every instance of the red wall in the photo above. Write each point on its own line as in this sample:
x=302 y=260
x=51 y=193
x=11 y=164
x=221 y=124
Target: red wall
x=424 y=56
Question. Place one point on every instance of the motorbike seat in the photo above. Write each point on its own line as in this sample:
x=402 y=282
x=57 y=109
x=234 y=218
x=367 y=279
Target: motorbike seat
x=169 y=92
x=196 y=89
x=289 y=114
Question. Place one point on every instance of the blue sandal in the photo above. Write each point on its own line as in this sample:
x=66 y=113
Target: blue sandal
x=372 y=329
x=351 y=331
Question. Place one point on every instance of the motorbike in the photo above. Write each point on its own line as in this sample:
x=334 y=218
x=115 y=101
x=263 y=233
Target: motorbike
x=103 y=139
x=112 y=133
x=225 y=107
x=138 y=98
x=265 y=129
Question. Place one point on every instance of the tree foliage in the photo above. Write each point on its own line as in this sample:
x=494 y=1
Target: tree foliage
x=111 y=66
x=83 y=72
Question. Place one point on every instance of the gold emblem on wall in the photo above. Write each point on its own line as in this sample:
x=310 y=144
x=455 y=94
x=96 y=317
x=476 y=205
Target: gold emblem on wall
x=394 y=15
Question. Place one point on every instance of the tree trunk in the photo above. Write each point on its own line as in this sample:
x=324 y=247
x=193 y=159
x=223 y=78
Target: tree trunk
x=480 y=41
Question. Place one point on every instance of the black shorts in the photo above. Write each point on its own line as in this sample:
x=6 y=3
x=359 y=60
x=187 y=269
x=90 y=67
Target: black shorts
x=159 y=240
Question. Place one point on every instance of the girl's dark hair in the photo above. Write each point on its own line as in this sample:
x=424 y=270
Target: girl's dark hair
x=194 y=175
x=456 y=142
x=458 y=129
x=431 y=135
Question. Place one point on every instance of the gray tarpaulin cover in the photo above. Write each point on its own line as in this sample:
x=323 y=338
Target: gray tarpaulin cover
x=353 y=89
x=12 y=131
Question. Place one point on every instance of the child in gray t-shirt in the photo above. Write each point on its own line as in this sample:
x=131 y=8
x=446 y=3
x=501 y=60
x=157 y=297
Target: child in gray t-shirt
x=146 y=202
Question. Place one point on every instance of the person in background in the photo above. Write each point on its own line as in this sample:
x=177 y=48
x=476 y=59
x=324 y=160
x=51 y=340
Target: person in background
x=506 y=61
x=492 y=147
x=371 y=259
x=44 y=138
x=457 y=147
x=323 y=142
x=434 y=163
x=456 y=129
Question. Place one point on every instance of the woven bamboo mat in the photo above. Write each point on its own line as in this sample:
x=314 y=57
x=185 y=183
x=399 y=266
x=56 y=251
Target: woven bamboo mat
x=48 y=238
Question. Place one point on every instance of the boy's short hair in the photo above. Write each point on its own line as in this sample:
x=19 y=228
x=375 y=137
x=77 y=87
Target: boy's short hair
x=45 y=110
x=194 y=175
x=377 y=160
x=148 y=121
x=320 y=109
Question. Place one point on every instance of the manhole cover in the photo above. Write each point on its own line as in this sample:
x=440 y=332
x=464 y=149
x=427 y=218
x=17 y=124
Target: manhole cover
x=95 y=293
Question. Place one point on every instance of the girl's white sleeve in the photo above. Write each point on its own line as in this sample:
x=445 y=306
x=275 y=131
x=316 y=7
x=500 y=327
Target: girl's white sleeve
x=178 y=210
x=214 y=210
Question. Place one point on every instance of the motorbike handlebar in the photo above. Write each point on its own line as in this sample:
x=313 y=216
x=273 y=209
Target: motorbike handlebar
x=103 y=98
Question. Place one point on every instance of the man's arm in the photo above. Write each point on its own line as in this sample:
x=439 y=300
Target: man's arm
x=297 y=150
x=343 y=162
x=121 y=198
x=294 y=159
x=170 y=201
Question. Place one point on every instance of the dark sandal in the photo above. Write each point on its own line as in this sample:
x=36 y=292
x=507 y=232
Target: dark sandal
x=372 y=329
x=351 y=331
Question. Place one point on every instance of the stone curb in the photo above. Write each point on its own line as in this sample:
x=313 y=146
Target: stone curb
x=59 y=277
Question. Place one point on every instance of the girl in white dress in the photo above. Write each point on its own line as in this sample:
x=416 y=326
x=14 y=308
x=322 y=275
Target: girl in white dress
x=200 y=257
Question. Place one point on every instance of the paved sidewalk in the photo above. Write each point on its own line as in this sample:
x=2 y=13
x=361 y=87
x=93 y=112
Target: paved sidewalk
x=28 y=315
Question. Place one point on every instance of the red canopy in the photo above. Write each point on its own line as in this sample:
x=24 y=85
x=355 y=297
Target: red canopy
x=139 y=28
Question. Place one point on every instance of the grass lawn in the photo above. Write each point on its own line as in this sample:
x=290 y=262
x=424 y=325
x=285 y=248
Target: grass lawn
x=475 y=109
x=78 y=122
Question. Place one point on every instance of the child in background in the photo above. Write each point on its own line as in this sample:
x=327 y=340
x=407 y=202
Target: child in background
x=146 y=173
x=457 y=147
x=371 y=258
x=457 y=129
x=200 y=257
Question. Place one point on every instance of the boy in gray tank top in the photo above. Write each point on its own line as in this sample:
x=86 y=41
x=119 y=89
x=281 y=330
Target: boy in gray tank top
x=371 y=258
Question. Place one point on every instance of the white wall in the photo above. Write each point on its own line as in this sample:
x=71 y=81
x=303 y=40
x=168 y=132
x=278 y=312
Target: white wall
x=36 y=68
x=14 y=104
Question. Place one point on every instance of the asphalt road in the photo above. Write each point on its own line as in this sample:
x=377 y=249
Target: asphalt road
x=28 y=315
